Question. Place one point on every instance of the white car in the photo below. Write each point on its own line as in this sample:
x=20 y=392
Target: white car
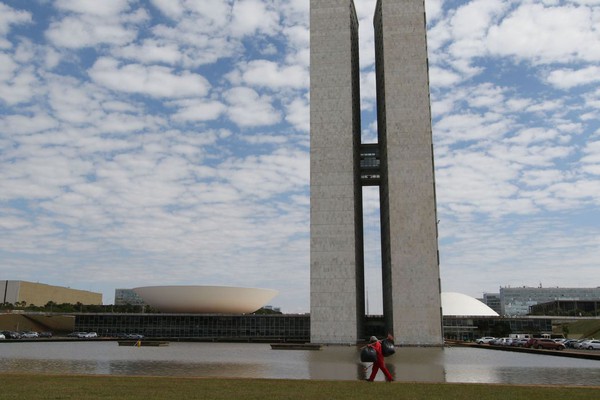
x=2 y=336
x=484 y=340
x=592 y=345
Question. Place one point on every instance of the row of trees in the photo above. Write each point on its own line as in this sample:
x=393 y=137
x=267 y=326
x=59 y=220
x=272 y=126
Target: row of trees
x=77 y=307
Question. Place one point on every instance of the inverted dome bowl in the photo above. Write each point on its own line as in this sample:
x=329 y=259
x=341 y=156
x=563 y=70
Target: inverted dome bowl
x=205 y=299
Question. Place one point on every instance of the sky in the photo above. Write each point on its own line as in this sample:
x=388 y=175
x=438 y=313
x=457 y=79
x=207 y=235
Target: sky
x=166 y=142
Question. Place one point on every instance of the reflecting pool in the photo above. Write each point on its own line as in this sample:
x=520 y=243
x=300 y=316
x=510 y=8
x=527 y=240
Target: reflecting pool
x=250 y=360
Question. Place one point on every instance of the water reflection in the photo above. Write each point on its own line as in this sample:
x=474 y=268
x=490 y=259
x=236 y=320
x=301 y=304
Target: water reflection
x=259 y=361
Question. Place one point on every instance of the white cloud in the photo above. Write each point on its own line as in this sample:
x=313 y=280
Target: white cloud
x=151 y=51
x=542 y=177
x=298 y=114
x=155 y=81
x=569 y=78
x=171 y=8
x=547 y=34
x=18 y=87
x=253 y=16
x=21 y=124
x=76 y=32
x=104 y=8
x=457 y=128
x=264 y=176
x=433 y=9
x=533 y=135
x=198 y=110
x=441 y=77
x=9 y=16
x=264 y=73
x=247 y=108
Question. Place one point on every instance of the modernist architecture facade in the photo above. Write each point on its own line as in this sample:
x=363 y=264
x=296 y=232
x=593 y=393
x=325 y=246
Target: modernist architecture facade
x=516 y=301
x=401 y=164
x=128 y=296
x=39 y=294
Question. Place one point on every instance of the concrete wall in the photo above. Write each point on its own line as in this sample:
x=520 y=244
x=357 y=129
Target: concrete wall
x=412 y=304
x=336 y=283
x=39 y=294
x=410 y=270
x=9 y=291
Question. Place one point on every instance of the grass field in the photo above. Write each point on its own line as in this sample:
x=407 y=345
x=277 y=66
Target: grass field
x=55 y=387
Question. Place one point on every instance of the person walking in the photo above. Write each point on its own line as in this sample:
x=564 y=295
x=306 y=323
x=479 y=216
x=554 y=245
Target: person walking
x=379 y=364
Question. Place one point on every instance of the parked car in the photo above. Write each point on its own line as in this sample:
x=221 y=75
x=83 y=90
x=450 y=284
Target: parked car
x=79 y=335
x=519 y=342
x=30 y=335
x=569 y=343
x=592 y=345
x=135 y=336
x=11 y=335
x=2 y=337
x=46 y=334
x=90 y=335
x=548 y=344
x=485 y=340
x=579 y=344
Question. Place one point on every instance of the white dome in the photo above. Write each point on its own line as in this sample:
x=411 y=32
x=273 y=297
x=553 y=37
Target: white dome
x=205 y=299
x=458 y=304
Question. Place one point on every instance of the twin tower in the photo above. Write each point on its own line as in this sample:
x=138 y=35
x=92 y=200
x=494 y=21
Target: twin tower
x=401 y=164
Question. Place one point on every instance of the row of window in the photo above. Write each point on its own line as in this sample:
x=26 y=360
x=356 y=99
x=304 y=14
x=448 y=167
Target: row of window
x=288 y=327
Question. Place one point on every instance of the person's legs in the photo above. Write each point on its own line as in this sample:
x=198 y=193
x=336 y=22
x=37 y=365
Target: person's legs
x=388 y=376
x=374 y=371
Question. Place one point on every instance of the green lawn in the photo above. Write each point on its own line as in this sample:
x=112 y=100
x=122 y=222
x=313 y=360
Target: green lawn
x=24 y=386
x=583 y=329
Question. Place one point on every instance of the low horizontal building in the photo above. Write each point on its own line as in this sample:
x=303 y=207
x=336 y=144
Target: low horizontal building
x=39 y=294
x=210 y=327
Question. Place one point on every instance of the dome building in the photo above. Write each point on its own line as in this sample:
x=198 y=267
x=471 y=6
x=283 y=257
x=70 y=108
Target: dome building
x=460 y=305
x=205 y=299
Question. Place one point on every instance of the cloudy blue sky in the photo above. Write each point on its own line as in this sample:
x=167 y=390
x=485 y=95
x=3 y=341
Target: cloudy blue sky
x=155 y=142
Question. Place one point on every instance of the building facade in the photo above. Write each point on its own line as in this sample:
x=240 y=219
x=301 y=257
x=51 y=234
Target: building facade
x=518 y=300
x=571 y=308
x=336 y=242
x=39 y=294
x=210 y=327
x=401 y=164
x=492 y=300
x=128 y=296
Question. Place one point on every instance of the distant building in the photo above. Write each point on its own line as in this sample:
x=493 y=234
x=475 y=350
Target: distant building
x=492 y=300
x=124 y=297
x=572 y=308
x=39 y=294
x=518 y=300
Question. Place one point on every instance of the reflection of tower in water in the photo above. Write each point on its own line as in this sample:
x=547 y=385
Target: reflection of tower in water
x=408 y=364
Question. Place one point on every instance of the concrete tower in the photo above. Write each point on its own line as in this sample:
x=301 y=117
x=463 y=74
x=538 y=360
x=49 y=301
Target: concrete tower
x=401 y=164
x=336 y=281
